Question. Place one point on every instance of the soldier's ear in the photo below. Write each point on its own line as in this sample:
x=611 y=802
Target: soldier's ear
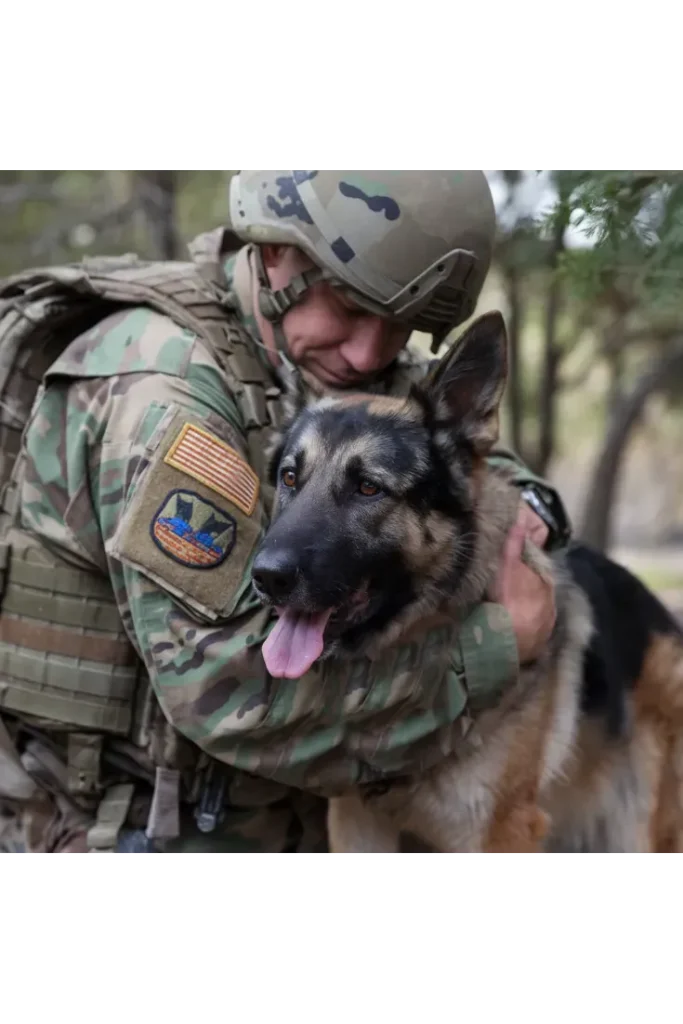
x=272 y=255
x=464 y=390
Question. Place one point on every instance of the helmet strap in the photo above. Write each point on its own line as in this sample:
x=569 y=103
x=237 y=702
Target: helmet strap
x=274 y=304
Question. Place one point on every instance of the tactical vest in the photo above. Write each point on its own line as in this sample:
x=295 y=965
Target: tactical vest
x=71 y=683
x=67 y=668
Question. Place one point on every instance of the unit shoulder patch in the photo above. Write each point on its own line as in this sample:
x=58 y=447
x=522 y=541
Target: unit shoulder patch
x=194 y=520
x=192 y=530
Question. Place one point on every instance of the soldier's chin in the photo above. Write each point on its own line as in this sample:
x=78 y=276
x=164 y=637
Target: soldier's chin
x=331 y=378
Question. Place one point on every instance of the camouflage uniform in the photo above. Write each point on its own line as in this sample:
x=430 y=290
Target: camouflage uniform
x=138 y=468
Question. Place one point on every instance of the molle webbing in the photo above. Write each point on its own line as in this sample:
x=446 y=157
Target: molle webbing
x=65 y=659
x=180 y=292
x=31 y=338
x=64 y=655
x=189 y=293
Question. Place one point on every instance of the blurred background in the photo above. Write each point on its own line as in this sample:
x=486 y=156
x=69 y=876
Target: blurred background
x=588 y=271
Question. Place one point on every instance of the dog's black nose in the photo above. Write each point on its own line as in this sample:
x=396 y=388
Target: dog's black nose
x=275 y=574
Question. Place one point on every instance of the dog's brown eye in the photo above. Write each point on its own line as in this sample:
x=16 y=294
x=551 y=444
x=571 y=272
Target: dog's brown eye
x=367 y=489
x=289 y=478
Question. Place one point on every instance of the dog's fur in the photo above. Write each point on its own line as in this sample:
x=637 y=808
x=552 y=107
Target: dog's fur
x=585 y=751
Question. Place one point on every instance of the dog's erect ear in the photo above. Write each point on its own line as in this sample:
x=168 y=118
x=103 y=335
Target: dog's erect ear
x=465 y=389
x=273 y=453
x=294 y=401
x=294 y=396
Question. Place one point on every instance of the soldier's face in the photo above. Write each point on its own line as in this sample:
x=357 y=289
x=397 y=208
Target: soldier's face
x=338 y=342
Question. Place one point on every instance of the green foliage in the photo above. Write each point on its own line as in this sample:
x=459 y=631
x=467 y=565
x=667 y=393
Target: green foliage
x=594 y=283
x=633 y=222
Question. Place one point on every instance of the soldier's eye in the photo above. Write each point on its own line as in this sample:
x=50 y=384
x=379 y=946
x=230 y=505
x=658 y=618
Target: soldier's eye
x=288 y=478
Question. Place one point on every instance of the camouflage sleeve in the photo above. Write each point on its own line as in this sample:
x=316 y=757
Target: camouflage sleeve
x=124 y=472
x=551 y=509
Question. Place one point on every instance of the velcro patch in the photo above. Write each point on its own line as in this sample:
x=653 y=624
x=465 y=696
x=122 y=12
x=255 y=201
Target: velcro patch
x=213 y=462
x=175 y=528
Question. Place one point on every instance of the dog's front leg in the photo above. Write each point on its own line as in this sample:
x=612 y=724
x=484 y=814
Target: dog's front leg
x=355 y=827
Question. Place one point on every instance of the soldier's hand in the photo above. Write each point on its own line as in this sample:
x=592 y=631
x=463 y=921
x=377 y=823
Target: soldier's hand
x=528 y=597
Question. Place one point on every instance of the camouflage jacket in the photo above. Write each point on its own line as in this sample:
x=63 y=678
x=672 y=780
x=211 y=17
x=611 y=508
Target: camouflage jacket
x=132 y=432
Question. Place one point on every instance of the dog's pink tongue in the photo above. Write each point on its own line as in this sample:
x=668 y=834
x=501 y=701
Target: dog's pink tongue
x=295 y=642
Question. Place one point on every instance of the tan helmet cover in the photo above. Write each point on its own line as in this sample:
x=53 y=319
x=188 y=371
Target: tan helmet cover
x=410 y=245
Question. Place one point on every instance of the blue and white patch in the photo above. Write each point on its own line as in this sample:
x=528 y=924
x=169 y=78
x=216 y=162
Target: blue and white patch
x=192 y=530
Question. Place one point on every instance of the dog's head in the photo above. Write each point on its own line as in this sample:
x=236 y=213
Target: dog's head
x=375 y=500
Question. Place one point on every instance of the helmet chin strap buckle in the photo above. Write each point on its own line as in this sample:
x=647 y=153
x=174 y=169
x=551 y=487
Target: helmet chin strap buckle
x=272 y=305
x=292 y=373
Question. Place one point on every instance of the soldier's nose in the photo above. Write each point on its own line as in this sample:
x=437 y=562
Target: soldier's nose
x=275 y=574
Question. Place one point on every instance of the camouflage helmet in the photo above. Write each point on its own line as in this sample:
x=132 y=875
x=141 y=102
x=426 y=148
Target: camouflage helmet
x=409 y=245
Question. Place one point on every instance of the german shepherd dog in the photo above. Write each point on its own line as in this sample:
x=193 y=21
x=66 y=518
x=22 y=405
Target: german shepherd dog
x=387 y=512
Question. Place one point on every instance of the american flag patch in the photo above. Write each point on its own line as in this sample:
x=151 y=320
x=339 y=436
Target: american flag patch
x=216 y=465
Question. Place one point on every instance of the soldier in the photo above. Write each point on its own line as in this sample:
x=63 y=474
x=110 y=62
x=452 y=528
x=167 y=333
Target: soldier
x=137 y=712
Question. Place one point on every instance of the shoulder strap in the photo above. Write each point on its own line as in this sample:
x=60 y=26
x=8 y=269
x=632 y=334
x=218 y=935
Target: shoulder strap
x=43 y=309
x=208 y=252
x=180 y=290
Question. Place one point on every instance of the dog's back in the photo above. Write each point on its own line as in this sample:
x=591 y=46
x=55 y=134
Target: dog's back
x=624 y=781
x=585 y=755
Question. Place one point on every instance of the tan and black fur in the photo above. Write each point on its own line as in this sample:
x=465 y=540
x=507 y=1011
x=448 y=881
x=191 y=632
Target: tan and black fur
x=585 y=752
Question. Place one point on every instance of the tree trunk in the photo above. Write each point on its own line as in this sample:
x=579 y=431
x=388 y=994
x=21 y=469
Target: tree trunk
x=596 y=525
x=514 y=387
x=551 y=357
x=615 y=393
x=156 y=192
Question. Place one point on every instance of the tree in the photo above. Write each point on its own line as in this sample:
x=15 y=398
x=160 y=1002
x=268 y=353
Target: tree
x=627 y=285
x=156 y=194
